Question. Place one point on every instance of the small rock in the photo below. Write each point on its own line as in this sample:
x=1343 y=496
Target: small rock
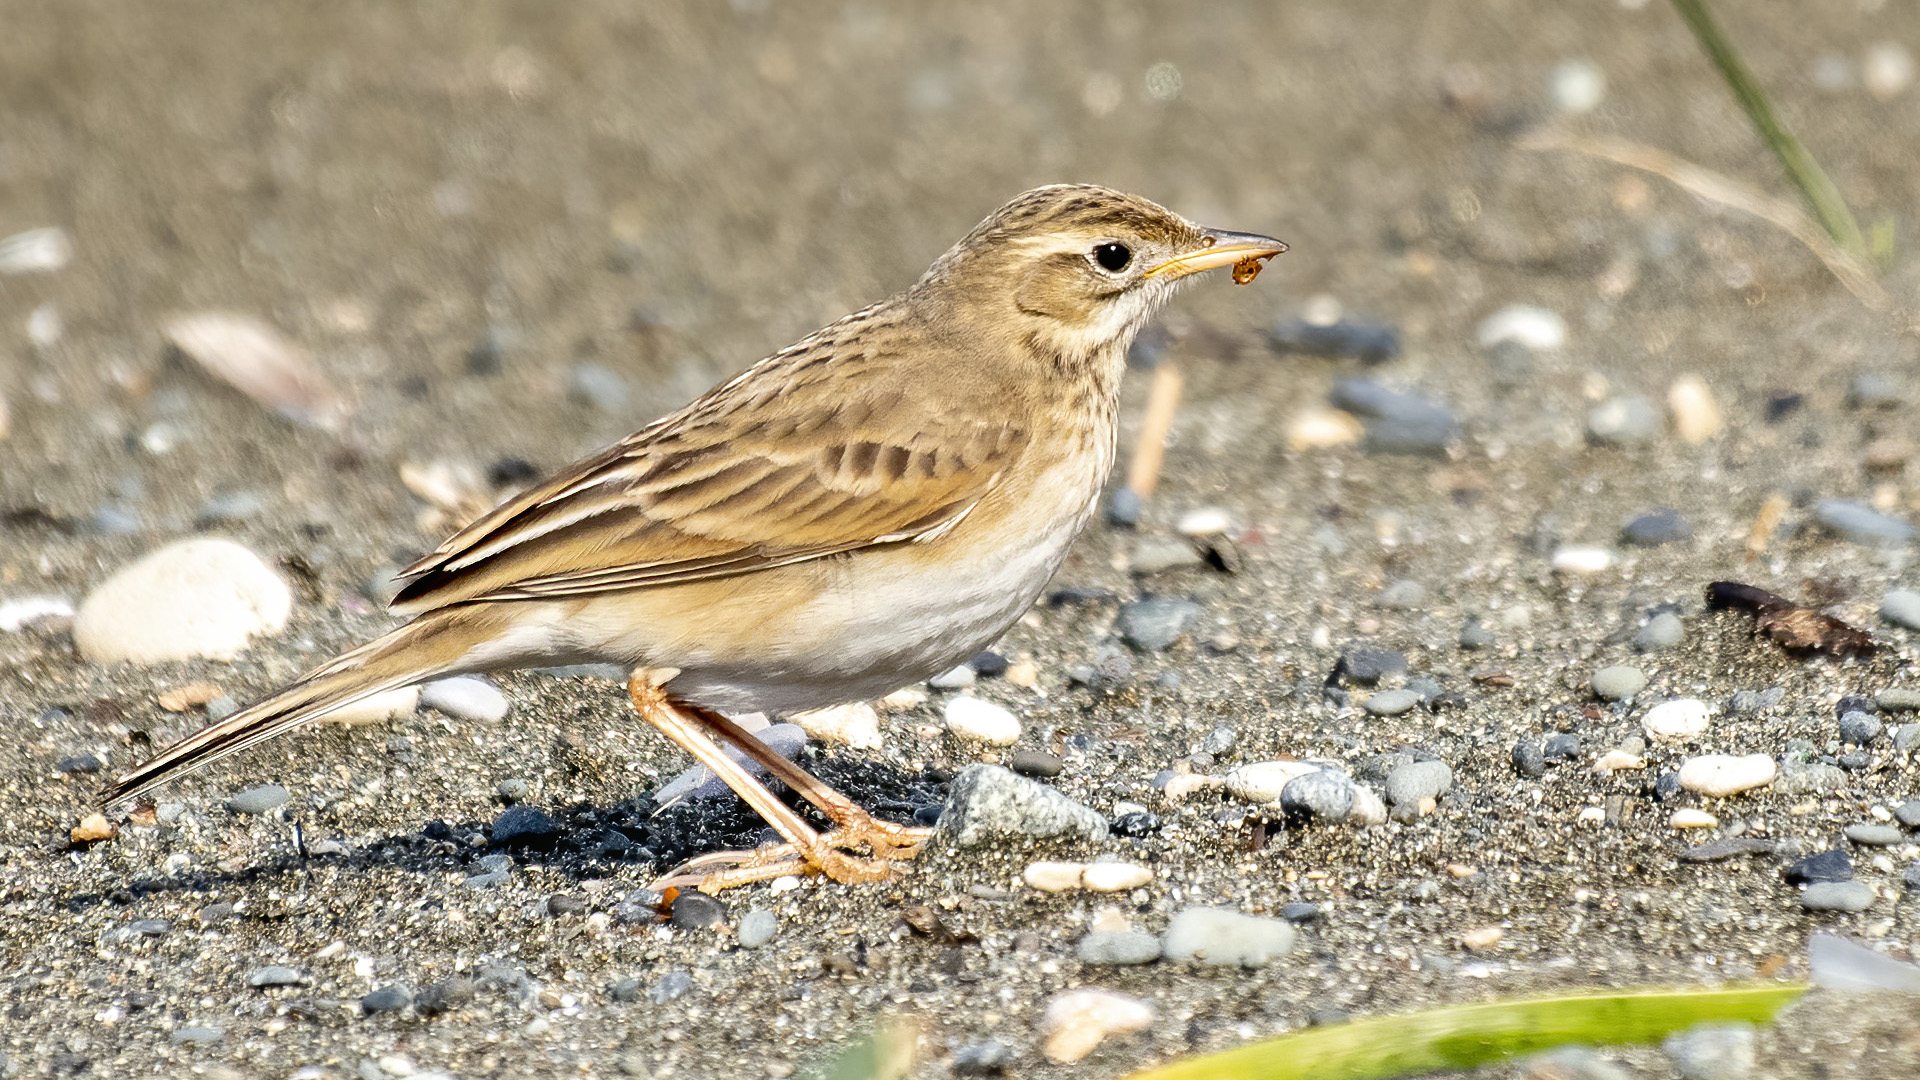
x=1691 y=818
x=259 y=361
x=975 y=720
x=1124 y=507
x=1368 y=809
x=1537 y=328
x=1578 y=86
x=1715 y=1051
x=855 y=724
x=757 y=928
x=1154 y=624
x=1398 y=423
x=1115 y=876
x=1874 y=389
x=1035 y=763
x=1859 y=728
x=599 y=387
x=1862 y=524
x=1618 y=760
x=1726 y=848
x=955 y=678
x=1053 y=877
x=1218 y=937
x=986 y=1058
x=1368 y=666
x=1838 y=896
x=1412 y=781
x=1561 y=746
x=1076 y=1021
x=695 y=910
x=1897 y=699
x=1887 y=69
x=1263 y=781
x=203 y=597
x=1661 y=632
x=1582 y=559
x=1901 y=607
x=390 y=998
x=528 y=825
x=1657 y=527
x=1696 y=417
x=1392 y=702
x=1475 y=635
x=465 y=697
x=1482 y=939
x=1402 y=595
x=698 y=782
x=1833 y=865
x=198 y=1034
x=275 y=975
x=79 y=764
x=1680 y=720
x=1116 y=948
x=988 y=803
x=1618 y=683
x=1721 y=775
x=1624 y=421
x=674 y=984
x=1908 y=813
x=1528 y=759
x=1870 y=834
x=259 y=800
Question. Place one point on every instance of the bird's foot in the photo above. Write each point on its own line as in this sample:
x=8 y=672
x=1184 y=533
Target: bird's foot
x=834 y=856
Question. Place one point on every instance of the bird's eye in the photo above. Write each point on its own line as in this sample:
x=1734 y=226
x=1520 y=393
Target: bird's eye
x=1112 y=257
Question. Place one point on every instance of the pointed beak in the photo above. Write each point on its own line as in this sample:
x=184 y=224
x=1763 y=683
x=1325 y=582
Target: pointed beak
x=1243 y=251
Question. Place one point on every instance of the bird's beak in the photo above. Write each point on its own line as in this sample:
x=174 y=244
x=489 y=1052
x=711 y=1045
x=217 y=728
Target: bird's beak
x=1221 y=248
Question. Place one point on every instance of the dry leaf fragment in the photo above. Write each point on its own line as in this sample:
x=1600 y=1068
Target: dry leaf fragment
x=93 y=829
x=190 y=696
x=261 y=363
x=1800 y=630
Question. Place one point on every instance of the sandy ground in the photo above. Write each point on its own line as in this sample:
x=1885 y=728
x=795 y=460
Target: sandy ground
x=457 y=207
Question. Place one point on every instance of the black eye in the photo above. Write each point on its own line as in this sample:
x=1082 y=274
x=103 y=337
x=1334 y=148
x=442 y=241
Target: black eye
x=1113 y=258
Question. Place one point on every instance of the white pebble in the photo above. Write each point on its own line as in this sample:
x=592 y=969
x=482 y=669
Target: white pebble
x=260 y=362
x=855 y=724
x=1181 y=785
x=1615 y=760
x=1582 y=559
x=378 y=709
x=1591 y=817
x=1888 y=69
x=203 y=597
x=1368 y=807
x=973 y=720
x=44 y=326
x=1688 y=817
x=1076 y=1021
x=1578 y=86
x=1204 y=521
x=1261 y=781
x=1323 y=428
x=18 y=614
x=36 y=251
x=1115 y=876
x=1724 y=774
x=1053 y=877
x=1676 y=721
x=1534 y=327
x=1696 y=418
x=465 y=697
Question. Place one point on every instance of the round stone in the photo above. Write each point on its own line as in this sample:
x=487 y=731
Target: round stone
x=1035 y=763
x=1618 y=683
x=1657 y=527
x=465 y=697
x=1862 y=524
x=1859 y=728
x=275 y=975
x=1871 y=834
x=1663 y=631
x=1116 y=948
x=1392 y=702
x=1624 y=421
x=259 y=800
x=390 y=998
x=1154 y=624
x=757 y=927
x=1218 y=937
x=523 y=825
x=1679 y=720
x=199 y=598
x=1319 y=794
x=1263 y=781
x=972 y=719
x=694 y=910
x=1838 y=896
x=1412 y=781
x=1720 y=775
x=1901 y=607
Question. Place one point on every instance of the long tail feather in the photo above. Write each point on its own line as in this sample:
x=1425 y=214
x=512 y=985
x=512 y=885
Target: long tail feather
x=430 y=645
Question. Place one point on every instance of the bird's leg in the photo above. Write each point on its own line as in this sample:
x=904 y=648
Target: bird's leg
x=854 y=825
x=806 y=850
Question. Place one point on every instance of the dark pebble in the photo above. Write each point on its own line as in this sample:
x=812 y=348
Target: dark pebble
x=1220 y=741
x=484 y=358
x=1832 y=865
x=1368 y=342
x=1300 y=911
x=1666 y=786
x=1855 y=703
x=1037 y=763
x=1658 y=527
x=989 y=665
x=1561 y=747
x=1528 y=759
x=512 y=473
x=527 y=825
x=390 y=998
x=1911 y=877
x=1137 y=824
x=695 y=910
x=444 y=996
x=566 y=904
x=1856 y=761
x=1325 y=795
x=1396 y=423
x=1367 y=665
x=988 y=1058
x=1859 y=728
x=79 y=763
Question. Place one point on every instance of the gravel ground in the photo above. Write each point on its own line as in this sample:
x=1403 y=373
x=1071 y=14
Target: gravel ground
x=517 y=233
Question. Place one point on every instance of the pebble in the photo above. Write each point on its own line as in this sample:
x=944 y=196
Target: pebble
x=1035 y=763
x=1838 y=896
x=255 y=358
x=1368 y=342
x=989 y=1057
x=275 y=975
x=1812 y=778
x=855 y=724
x=522 y=825
x=1392 y=702
x=1696 y=416
x=1368 y=808
x=1322 y=794
x=1561 y=746
x=1906 y=738
x=79 y=763
x=1657 y=527
x=1263 y=781
x=973 y=719
x=1368 y=666
x=1872 y=834
x=1831 y=865
x=674 y=984
x=1475 y=635
x=1862 y=524
x=1320 y=429
x=1118 y=948
x=1721 y=775
x=1624 y=421
x=1726 y=848
x=1578 y=86
x=203 y=597
x=1220 y=937
x=1679 y=720
x=1220 y=741
x=1570 y=1063
x=1412 y=781
x=955 y=678
x=1053 y=877
x=1897 y=699
x=1115 y=876
x=465 y=697
x=1618 y=683
x=1901 y=607
x=987 y=803
x=1529 y=759
x=1690 y=818
x=1156 y=554
x=1075 y=1021
x=1404 y=594
x=378 y=708
x=1537 y=328
x=695 y=910
x=1911 y=876
x=258 y=800
x=1887 y=69
x=757 y=927
x=1398 y=423
x=1154 y=624
x=1583 y=559
x=1124 y=507
x=1908 y=813
x=1661 y=632
x=20 y=613
x=390 y=998
x=1859 y=728
x=1712 y=1051
x=1874 y=389
x=1617 y=760
x=198 y=1034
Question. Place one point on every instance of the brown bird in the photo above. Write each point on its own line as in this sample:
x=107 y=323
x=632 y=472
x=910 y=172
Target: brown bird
x=863 y=509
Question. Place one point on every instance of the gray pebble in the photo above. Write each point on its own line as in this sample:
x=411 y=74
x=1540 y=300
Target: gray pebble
x=1715 y=1051
x=988 y=1058
x=987 y=803
x=1368 y=666
x=1837 y=896
x=1658 y=527
x=438 y=999
x=1528 y=759
x=79 y=764
x=1323 y=794
x=1411 y=781
x=1624 y=421
x=513 y=790
x=1118 y=948
x=1154 y=624
x=1811 y=778
x=1156 y=554
x=390 y=998
x=1123 y=508
x=1911 y=876
x=1906 y=738
x=1475 y=635
x=1663 y=631
x=1035 y=763
x=1618 y=683
x=756 y=928
x=1862 y=524
x=1561 y=746
x=1218 y=937
x=694 y=910
x=275 y=975
x=1872 y=834
x=1392 y=702
x=198 y=1033
x=1220 y=741
x=486 y=880
x=1908 y=813
x=259 y=800
x=1425 y=688
x=625 y=991
x=957 y=678
x=1874 y=388
x=1901 y=607
x=1897 y=699
x=227 y=509
x=1402 y=595
x=1300 y=911
x=1396 y=423
x=674 y=984
x=1859 y=728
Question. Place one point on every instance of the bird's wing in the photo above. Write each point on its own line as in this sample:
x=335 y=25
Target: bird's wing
x=785 y=464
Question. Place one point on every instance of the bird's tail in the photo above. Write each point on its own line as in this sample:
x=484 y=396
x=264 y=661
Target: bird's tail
x=431 y=645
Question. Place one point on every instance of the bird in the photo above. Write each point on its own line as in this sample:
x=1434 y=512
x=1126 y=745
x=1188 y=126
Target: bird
x=861 y=510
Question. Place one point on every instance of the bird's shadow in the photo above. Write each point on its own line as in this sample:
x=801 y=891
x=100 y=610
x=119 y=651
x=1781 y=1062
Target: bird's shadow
x=634 y=837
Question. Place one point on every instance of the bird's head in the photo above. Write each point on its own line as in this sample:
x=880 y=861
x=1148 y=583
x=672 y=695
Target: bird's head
x=1074 y=270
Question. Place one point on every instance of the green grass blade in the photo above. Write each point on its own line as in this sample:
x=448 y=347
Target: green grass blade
x=1802 y=169
x=1467 y=1035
